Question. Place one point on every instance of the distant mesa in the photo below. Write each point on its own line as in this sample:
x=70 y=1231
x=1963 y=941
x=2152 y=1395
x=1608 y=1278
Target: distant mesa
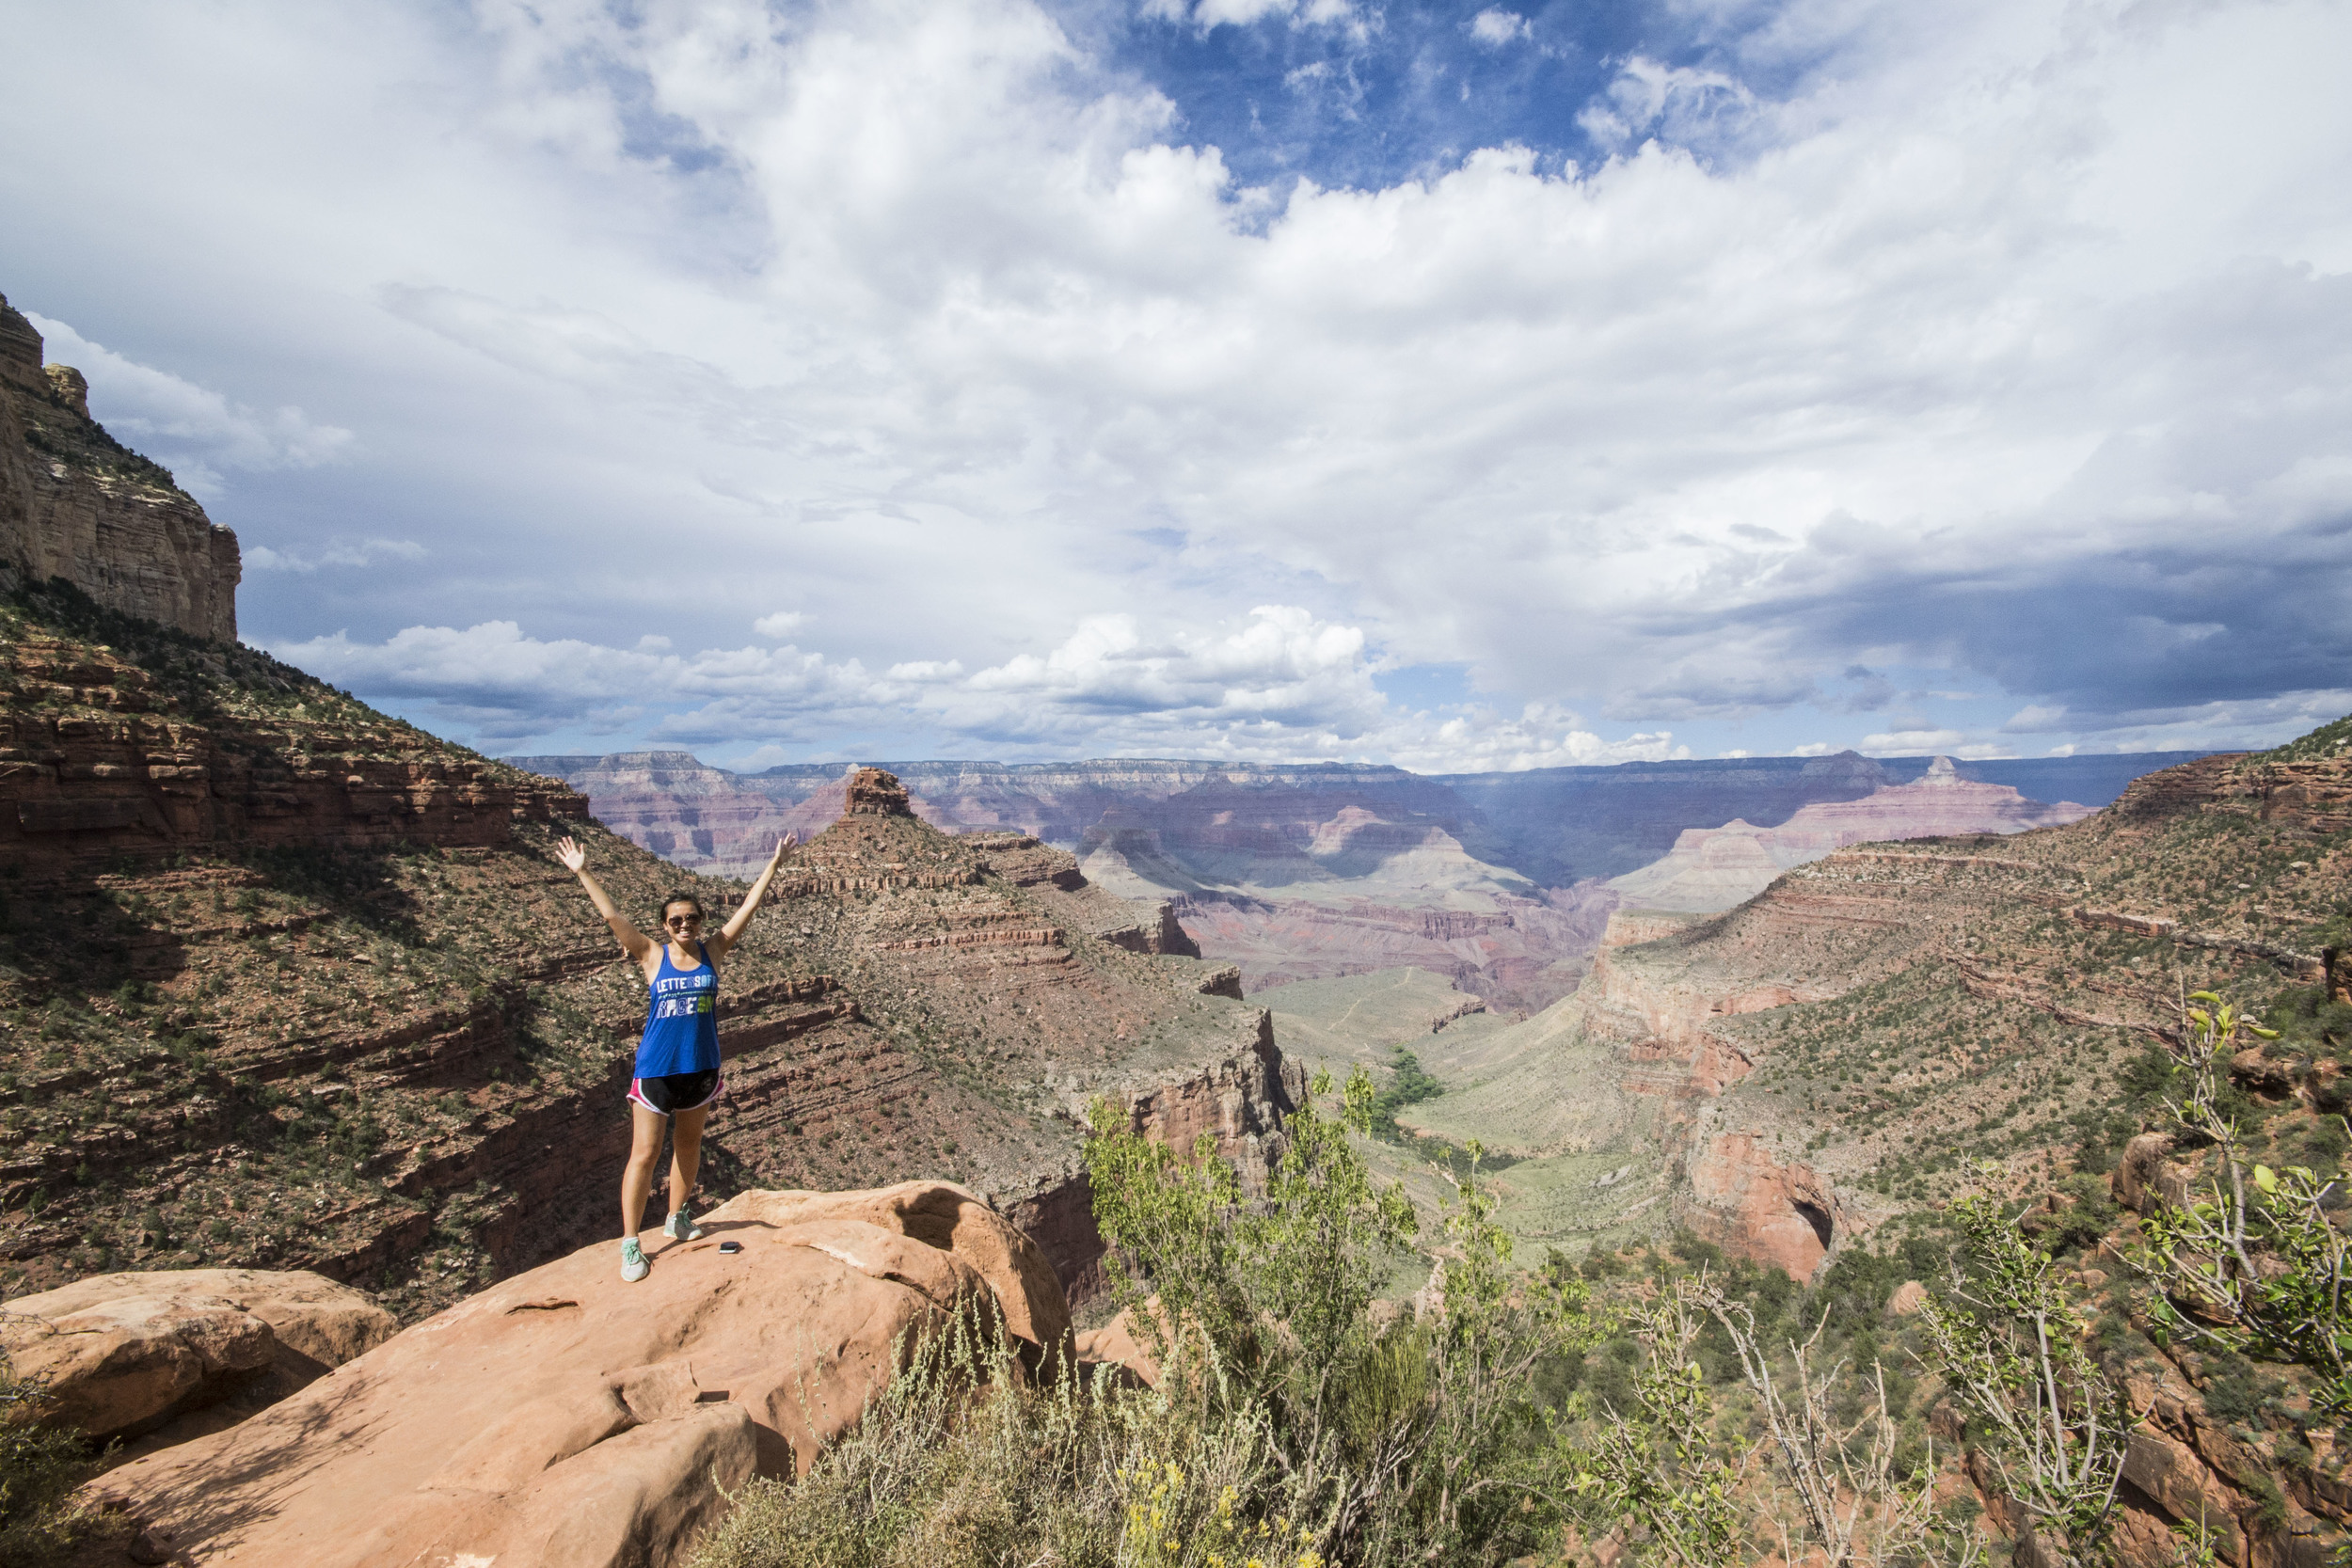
x=1302 y=871
x=1711 y=869
x=78 y=504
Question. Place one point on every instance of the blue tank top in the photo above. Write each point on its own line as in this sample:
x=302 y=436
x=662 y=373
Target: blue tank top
x=681 y=1018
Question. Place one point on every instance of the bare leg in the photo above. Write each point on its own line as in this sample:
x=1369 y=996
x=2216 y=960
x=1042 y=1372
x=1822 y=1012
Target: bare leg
x=637 y=1180
x=688 y=1127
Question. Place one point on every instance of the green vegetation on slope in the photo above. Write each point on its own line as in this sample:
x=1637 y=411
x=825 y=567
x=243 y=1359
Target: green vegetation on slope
x=39 y=1468
x=55 y=430
x=2324 y=744
x=1685 y=1400
x=201 y=679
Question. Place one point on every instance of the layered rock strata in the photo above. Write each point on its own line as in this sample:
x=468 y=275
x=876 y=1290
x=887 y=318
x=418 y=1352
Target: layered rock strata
x=1712 y=868
x=1233 y=825
x=1834 y=1049
x=98 y=757
x=1522 y=954
x=384 y=1036
x=74 y=503
x=1311 y=871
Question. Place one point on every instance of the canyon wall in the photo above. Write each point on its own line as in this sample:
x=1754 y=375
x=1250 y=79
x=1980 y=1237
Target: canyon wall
x=145 y=747
x=1259 y=825
x=76 y=503
x=1314 y=870
x=1713 y=868
x=289 y=983
x=1792 y=1073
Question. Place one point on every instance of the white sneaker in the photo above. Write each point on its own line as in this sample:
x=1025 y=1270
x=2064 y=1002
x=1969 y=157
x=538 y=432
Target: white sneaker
x=634 y=1264
x=680 y=1227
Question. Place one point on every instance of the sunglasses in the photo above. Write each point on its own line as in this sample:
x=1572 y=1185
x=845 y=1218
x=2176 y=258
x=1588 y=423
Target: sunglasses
x=677 y=920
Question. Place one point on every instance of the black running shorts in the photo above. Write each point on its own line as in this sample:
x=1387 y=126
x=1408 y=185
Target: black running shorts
x=681 y=1091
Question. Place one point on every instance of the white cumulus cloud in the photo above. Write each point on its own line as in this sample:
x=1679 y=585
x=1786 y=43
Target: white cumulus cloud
x=367 y=552
x=1495 y=26
x=199 y=430
x=1280 y=684
x=2007 y=346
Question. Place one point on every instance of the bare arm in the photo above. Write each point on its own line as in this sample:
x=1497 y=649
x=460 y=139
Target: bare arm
x=633 y=941
x=733 y=931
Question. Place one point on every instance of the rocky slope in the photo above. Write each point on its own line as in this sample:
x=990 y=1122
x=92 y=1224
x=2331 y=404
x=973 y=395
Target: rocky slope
x=1712 y=868
x=1793 y=1073
x=76 y=503
x=287 y=983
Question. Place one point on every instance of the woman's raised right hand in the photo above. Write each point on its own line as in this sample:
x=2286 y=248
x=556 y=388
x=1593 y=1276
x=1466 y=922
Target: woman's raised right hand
x=571 y=854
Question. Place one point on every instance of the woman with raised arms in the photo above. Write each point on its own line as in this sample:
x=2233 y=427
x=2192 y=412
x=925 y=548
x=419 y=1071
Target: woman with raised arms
x=677 y=1076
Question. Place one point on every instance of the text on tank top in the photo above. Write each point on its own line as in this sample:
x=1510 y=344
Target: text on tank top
x=681 y=1018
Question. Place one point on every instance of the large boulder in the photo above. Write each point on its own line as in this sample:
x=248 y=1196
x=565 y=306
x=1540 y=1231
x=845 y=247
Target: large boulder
x=122 y=1353
x=564 y=1420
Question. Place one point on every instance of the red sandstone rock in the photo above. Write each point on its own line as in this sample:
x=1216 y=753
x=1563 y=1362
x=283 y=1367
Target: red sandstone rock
x=875 y=793
x=2172 y=1475
x=1119 y=1344
x=1743 y=1202
x=2144 y=1177
x=564 y=1418
x=1223 y=982
x=120 y=531
x=123 y=1353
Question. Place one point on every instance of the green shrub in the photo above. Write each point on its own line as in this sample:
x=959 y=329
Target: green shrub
x=1421 y=1441
x=962 y=1460
x=39 y=1468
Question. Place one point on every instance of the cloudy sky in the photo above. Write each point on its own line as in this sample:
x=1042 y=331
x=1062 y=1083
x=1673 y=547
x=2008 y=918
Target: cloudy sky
x=1463 y=386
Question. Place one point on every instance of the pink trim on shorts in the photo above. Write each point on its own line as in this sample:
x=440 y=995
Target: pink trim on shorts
x=636 y=1096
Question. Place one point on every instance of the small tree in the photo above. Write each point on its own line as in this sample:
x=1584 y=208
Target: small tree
x=1836 y=1494
x=1657 y=1468
x=1852 y=1505
x=2008 y=1347
x=1488 y=1465
x=2261 y=1272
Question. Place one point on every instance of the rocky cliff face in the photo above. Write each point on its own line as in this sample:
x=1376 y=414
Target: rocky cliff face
x=1713 y=868
x=74 y=503
x=288 y=983
x=122 y=737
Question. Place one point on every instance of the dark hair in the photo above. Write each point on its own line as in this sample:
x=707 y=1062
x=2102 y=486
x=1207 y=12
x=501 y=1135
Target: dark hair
x=682 y=897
